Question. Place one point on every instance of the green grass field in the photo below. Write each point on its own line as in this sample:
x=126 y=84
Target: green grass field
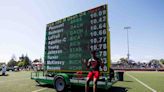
x=154 y=80
x=21 y=82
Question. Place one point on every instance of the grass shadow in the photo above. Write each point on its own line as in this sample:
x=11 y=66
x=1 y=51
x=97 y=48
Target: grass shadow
x=118 y=89
x=127 y=81
x=112 y=89
x=4 y=75
x=82 y=88
x=46 y=86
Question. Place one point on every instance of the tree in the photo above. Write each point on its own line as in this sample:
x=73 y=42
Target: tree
x=24 y=61
x=155 y=63
x=27 y=61
x=21 y=58
x=123 y=60
x=12 y=62
x=20 y=64
x=162 y=61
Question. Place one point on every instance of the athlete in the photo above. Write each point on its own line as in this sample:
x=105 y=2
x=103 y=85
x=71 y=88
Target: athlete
x=94 y=63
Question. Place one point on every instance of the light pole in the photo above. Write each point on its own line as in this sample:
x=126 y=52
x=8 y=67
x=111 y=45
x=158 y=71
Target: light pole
x=127 y=28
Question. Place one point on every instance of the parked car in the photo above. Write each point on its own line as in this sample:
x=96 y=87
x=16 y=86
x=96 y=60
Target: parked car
x=10 y=68
x=16 y=68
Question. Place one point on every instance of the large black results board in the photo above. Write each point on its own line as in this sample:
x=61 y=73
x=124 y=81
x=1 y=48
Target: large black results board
x=69 y=41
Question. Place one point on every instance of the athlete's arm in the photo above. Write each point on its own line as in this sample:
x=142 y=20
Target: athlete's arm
x=88 y=63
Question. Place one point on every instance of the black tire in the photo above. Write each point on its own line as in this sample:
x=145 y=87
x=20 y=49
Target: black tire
x=120 y=76
x=111 y=74
x=59 y=84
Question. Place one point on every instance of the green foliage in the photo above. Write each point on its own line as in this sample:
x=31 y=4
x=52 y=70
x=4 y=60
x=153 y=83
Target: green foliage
x=155 y=62
x=123 y=60
x=24 y=61
x=12 y=63
x=20 y=64
x=162 y=61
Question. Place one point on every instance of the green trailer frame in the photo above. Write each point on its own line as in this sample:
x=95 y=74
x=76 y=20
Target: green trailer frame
x=62 y=81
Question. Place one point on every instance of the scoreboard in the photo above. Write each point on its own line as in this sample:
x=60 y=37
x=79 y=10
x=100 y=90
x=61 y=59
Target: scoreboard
x=69 y=41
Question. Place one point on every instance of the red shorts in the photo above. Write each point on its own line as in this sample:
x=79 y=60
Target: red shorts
x=93 y=74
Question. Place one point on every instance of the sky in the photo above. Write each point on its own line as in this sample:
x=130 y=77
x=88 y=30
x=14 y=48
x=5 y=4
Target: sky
x=23 y=26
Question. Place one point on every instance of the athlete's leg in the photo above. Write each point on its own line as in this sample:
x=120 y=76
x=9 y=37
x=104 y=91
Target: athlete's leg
x=95 y=84
x=96 y=77
x=89 y=77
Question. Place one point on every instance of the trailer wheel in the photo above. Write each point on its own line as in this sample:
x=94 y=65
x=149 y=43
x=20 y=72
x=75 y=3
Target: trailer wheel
x=120 y=76
x=59 y=84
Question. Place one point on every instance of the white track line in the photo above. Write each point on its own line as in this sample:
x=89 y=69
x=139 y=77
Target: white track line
x=141 y=83
x=39 y=90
